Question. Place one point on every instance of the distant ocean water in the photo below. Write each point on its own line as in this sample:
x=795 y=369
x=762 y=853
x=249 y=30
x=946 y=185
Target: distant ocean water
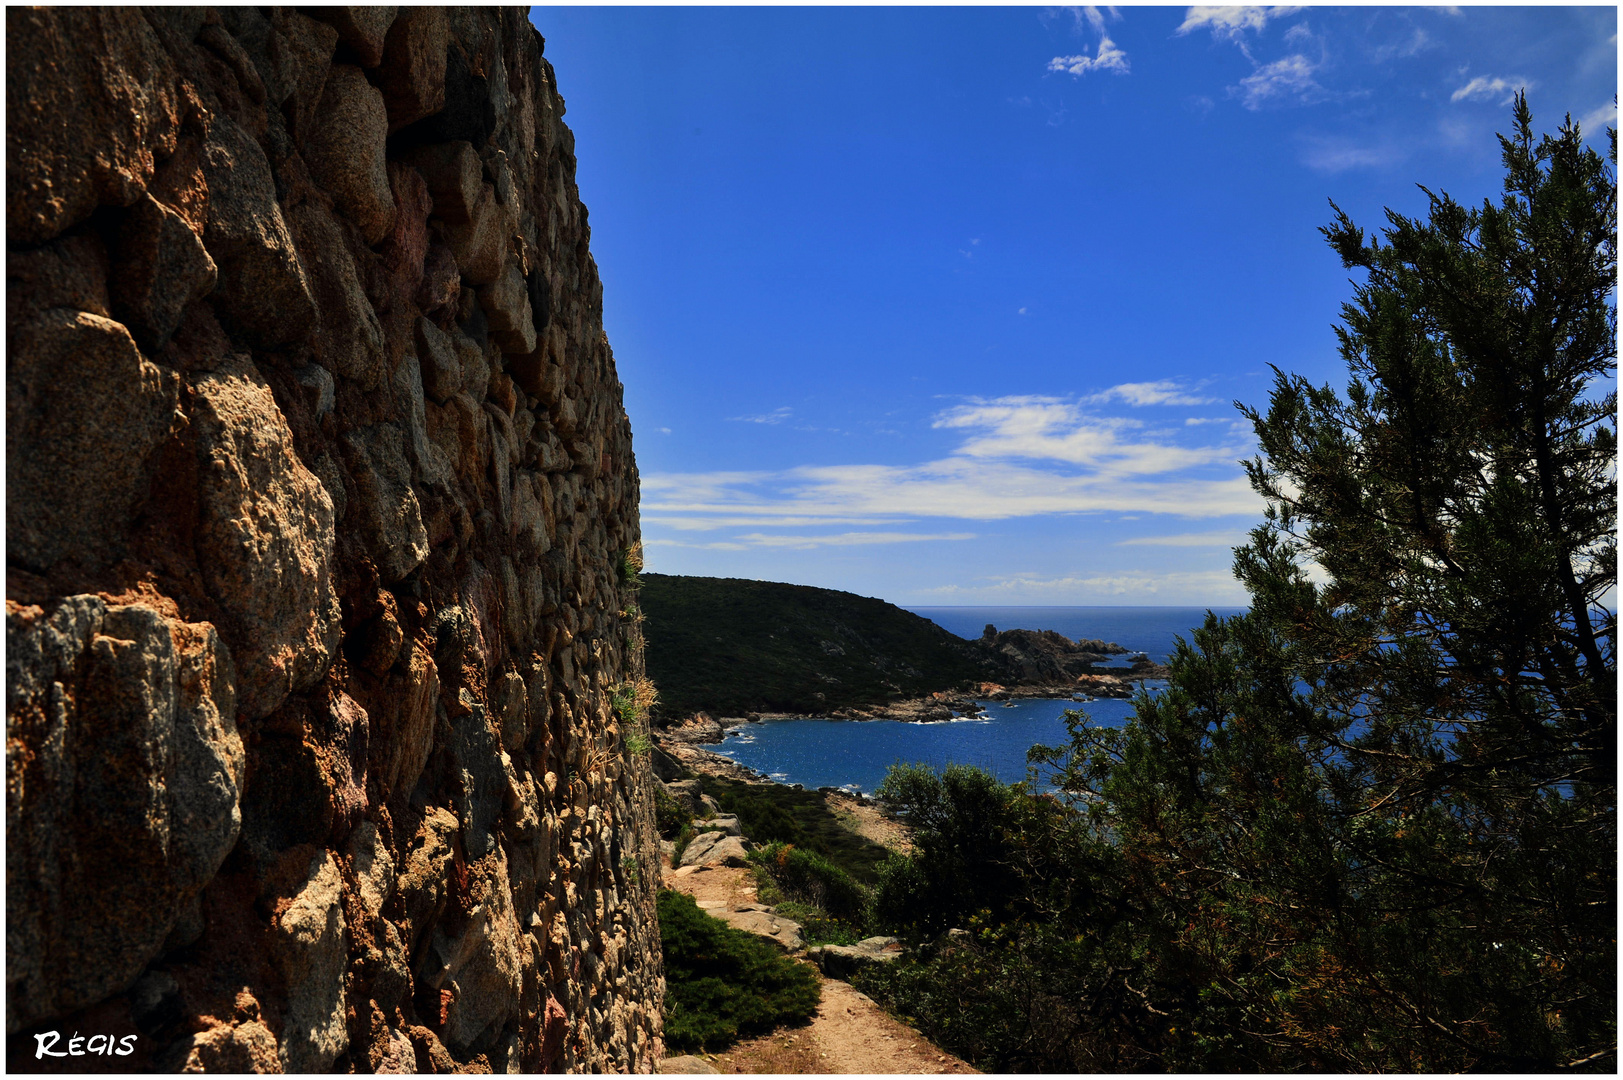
x=855 y=754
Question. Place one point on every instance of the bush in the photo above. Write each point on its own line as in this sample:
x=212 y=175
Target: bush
x=670 y=816
x=1014 y=999
x=807 y=876
x=722 y=984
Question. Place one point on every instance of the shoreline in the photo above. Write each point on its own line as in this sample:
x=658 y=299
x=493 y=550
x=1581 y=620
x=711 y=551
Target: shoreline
x=689 y=743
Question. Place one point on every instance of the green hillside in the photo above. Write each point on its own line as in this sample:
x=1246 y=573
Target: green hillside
x=730 y=646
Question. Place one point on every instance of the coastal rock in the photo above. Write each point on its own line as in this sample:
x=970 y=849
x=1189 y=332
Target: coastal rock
x=687 y=1063
x=716 y=849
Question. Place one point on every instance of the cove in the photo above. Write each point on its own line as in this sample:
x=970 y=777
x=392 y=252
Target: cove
x=854 y=754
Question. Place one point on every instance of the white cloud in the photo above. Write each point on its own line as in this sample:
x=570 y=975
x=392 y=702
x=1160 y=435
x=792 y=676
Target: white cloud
x=1222 y=538
x=1109 y=58
x=1218 y=586
x=1230 y=23
x=1163 y=392
x=776 y=416
x=1596 y=121
x=1483 y=88
x=1290 y=76
x=806 y=543
x=964 y=487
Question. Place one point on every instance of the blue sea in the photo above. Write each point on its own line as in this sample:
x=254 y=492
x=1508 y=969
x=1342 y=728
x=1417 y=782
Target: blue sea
x=855 y=754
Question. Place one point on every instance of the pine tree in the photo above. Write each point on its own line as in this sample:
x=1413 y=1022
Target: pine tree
x=1372 y=823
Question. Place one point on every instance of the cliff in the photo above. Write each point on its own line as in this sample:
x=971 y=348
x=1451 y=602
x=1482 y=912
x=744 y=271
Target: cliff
x=321 y=494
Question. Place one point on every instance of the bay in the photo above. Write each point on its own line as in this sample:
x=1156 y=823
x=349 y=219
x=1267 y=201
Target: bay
x=855 y=754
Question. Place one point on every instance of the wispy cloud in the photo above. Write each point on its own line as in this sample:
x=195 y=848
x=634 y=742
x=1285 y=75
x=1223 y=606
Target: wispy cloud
x=1483 y=88
x=1596 y=121
x=1230 y=23
x=1219 y=585
x=1220 y=538
x=1333 y=155
x=1290 y=76
x=776 y=416
x=1163 y=392
x=806 y=543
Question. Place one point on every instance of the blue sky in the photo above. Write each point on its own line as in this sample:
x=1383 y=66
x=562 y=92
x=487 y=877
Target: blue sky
x=951 y=305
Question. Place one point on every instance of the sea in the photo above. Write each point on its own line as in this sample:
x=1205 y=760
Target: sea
x=855 y=754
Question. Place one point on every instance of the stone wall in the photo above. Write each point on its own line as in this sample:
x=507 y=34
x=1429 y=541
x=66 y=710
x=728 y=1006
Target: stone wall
x=321 y=506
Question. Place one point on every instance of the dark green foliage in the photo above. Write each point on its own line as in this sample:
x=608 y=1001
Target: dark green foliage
x=731 y=646
x=1375 y=818
x=807 y=876
x=670 y=816
x=722 y=984
x=1019 y=998
x=1371 y=824
x=770 y=813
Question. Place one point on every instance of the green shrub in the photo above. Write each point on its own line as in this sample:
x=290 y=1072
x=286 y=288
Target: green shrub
x=807 y=876
x=1013 y=999
x=670 y=816
x=722 y=984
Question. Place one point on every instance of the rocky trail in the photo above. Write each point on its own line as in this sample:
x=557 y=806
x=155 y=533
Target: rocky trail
x=849 y=1032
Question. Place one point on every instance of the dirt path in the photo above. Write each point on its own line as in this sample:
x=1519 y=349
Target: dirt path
x=848 y=1034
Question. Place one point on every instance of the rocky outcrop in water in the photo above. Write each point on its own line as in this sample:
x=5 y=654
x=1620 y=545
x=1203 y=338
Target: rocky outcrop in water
x=320 y=494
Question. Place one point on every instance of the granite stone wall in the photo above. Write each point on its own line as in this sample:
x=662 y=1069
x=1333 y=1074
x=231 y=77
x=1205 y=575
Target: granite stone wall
x=321 y=517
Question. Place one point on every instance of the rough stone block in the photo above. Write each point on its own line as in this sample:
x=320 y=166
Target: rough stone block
x=84 y=410
x=261 y=286
x=506 y=302
x=265 y=537
x=413 y=72
x=480 y=243
x=351 y=339
x=441 y=367
x=128 y=803
x=363 y=29
x=454 y=176
x=90 y=105
x=345 y=152
x=388 y=516
x=309 y=948
x=160 y=267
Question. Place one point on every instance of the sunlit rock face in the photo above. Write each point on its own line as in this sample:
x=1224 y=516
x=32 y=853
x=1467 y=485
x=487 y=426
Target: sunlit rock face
x=319 y=486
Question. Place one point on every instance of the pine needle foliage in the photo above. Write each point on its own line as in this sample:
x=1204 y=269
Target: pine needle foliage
x=1374 y=819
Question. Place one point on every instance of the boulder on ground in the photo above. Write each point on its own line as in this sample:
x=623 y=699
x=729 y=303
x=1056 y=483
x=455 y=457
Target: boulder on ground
x=716 y=847
x=844 y=961
x=686 y=1063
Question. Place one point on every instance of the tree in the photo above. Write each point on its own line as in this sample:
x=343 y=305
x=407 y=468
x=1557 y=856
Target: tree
x=1372 y=822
